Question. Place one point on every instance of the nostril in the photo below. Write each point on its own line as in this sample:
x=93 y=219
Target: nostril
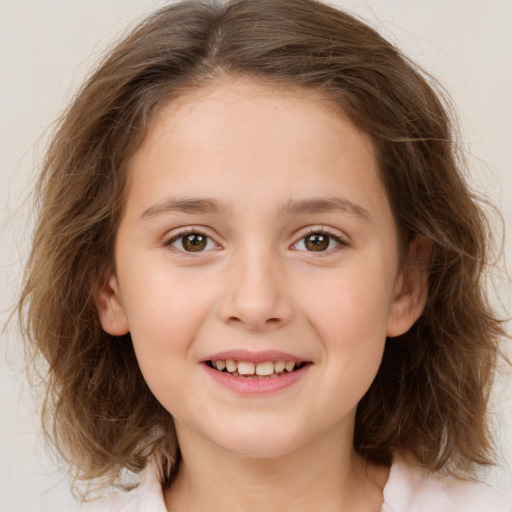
x=274 y=321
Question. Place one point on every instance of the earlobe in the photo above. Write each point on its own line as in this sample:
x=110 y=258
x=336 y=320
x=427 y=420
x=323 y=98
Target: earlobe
x=411 y=290
x=110 y=308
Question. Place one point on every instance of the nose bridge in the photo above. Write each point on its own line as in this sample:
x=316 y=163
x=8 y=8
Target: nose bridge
x=257 y=294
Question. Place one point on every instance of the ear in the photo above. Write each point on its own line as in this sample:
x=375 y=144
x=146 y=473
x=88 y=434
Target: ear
x=110 y=308
x=411 y=289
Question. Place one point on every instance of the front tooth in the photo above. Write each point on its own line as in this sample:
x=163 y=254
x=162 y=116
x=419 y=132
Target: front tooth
x=266 y=368
x=290 y=365
x=279 y=366
x=230 y=365
x=245 y=368
x=220 y=365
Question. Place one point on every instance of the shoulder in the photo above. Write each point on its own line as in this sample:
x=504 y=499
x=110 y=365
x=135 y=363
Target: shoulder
x=146 y=497
x=410 y=489
x=126 y=501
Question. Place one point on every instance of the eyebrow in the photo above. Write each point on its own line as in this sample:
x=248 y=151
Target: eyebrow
x=326 y=205
x=186 y=205
x=203 y=206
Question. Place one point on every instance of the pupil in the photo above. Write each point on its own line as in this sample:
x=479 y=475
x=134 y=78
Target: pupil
x=317 y=242
x=194 y=242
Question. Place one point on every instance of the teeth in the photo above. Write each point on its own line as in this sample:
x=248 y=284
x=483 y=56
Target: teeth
x=246 y=368
x=279 y=366
x=263 y=368
x=290 y=365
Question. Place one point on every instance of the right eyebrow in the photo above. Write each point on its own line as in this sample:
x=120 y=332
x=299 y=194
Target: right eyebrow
x=326 y=205
x=185 y=205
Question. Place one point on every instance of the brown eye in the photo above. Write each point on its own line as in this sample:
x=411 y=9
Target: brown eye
x=194 y=242
x=317 y=242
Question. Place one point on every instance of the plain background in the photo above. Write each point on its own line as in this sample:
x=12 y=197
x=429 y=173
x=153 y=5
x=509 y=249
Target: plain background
x=46 y=48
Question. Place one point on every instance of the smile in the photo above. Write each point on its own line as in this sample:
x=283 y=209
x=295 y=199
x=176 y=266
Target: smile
x=262 y=370
x=254 y=373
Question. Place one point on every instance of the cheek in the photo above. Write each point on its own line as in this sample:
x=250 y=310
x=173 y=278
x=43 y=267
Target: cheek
x=163 y=330
x=353 y=337
x=161 y=297
x=350 y=317
x=165 y=312
x=352 y=302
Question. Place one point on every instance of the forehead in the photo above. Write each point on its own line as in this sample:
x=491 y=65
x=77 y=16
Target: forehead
x=246 y=132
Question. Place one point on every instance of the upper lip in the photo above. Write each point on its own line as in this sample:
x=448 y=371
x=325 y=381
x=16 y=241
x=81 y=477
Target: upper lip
x=260 y=356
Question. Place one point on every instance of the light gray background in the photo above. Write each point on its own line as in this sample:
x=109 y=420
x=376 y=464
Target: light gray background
x=47 y=47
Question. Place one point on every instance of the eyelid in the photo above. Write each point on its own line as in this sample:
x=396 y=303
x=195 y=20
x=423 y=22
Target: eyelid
x=337 y=235
x=178 y=233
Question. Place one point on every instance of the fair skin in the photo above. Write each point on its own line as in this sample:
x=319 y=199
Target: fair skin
x=292 y=253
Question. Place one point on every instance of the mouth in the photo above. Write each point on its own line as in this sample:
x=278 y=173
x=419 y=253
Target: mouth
x=255 y=371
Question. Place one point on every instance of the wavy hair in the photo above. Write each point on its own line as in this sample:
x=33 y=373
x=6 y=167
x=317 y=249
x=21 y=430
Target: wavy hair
x=430 y=396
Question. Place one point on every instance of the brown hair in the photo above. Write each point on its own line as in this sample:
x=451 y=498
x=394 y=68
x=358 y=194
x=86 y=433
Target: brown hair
x=430 y=396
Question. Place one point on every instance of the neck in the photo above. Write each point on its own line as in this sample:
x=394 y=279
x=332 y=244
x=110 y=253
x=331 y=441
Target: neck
x=320 y=476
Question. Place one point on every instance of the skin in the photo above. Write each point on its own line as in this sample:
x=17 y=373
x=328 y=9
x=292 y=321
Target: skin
x=256 y=150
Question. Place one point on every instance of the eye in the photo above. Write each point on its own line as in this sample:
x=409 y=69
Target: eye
x=192 y=242
x=318 y=241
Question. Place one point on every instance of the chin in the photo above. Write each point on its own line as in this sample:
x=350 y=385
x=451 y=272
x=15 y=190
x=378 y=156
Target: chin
x=260 y=443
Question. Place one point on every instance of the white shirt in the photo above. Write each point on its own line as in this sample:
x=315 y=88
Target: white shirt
x=409 y=489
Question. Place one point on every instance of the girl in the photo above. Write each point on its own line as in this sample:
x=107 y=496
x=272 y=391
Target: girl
x=257 y=273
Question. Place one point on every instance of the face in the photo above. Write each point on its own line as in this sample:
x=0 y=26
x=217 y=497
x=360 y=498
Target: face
x=257 y=268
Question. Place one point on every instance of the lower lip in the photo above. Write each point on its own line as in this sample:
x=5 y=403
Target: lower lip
x=249 y=386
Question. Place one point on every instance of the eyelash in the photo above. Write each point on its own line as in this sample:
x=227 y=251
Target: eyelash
x=191 y=231
x=341 y=241
x=322 y=230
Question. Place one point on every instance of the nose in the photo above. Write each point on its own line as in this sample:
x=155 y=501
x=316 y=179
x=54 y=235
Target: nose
x=256 y=295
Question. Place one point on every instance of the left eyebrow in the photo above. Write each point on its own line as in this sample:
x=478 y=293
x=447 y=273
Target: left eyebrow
x=326 y=205
x=191 y=205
